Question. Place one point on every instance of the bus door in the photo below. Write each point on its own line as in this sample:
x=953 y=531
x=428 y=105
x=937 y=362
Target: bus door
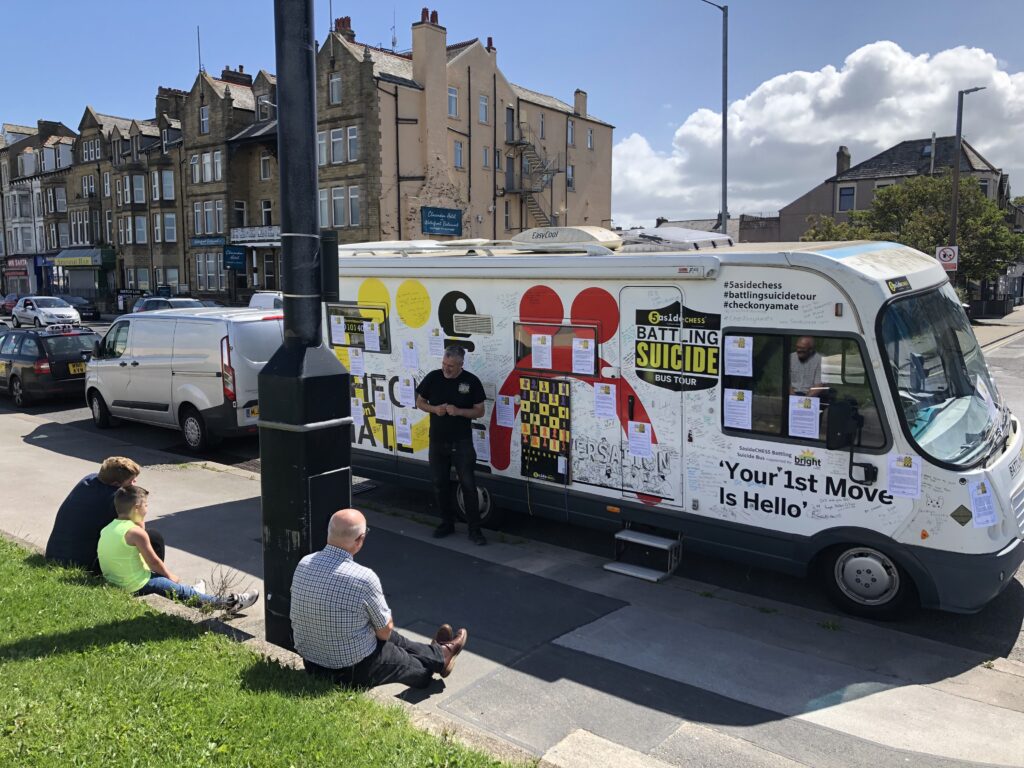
x=650 y=394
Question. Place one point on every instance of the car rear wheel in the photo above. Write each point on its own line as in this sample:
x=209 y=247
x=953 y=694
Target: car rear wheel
x=100 y=412
x=18 y=394
x=193 y=427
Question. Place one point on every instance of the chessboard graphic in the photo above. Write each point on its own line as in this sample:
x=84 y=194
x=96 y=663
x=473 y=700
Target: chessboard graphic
x=544 y=428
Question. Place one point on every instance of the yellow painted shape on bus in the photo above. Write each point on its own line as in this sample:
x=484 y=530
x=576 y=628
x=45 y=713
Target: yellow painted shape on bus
x=373 y=291
x=342 y=354
x=421 y=434
x=413 y=303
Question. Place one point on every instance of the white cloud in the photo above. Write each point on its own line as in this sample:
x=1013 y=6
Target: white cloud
x=783 y=137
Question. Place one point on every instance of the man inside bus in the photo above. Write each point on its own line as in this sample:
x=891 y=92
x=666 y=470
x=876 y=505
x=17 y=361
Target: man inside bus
x=453 y=397
x=805 y=369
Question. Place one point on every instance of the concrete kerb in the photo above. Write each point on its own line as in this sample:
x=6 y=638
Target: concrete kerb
x=434 y=723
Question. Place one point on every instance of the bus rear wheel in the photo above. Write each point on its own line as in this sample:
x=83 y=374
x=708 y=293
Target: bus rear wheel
x=865 y=581
x=490 y=515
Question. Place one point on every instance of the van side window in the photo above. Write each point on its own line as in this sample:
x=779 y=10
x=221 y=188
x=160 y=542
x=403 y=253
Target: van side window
x=782 y=386
x=116 y=341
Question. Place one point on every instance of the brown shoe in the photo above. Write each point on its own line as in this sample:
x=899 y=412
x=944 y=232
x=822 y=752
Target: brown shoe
x=444 y=634
x=451 y=649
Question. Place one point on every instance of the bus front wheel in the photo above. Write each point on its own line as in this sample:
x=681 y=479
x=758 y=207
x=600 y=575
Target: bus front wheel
x=865 y=581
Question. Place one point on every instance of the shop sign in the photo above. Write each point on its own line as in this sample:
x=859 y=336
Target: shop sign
x=234 y=257
x=203 y=242
x=441 y=221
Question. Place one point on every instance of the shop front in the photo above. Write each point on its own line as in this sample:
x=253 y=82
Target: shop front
x=19 y=275
x=85 y=272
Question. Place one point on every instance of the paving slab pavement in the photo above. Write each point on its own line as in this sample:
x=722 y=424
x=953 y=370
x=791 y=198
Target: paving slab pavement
x=571 y=663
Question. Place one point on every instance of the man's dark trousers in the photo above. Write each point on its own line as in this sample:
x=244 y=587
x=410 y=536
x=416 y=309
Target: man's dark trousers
x=462 y=453
x=395 y=660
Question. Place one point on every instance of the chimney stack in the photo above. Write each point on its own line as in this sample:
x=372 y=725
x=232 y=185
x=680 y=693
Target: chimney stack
x=842 y=160
x=236 y=76
x=343 y=26
x=580 y=103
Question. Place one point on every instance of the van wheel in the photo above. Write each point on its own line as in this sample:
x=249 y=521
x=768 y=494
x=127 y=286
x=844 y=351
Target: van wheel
x=864 y=581
x=18 y=393
x=197 y=438
x=100 y=412
x=490 y=515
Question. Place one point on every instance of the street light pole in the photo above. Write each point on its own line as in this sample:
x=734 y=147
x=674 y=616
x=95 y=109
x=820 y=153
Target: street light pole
x=955 y=212
x=725 y=111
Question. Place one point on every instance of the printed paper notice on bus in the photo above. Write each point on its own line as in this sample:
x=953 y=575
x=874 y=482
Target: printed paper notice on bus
x=983 y=506
x=357 y=411
x=357 y=364
x=407 y=391
x=482 y=446
x=371 y=336
x=383 y=410
x=337 y=330
x=737 y=408
x=604 y=401
x=436 y=342
x=410 y=356
x=541 y=344
x=739 y=355
x=640 y=439
x=403 y=430
x=583 y=356
x=905 y=476
x=804 y=416
x=506 y=411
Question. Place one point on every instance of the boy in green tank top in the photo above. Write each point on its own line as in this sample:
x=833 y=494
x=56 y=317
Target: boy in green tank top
x=128 y=560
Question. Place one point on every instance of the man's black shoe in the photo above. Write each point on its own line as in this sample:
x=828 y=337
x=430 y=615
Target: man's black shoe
x=477 y=537
x=444 y=529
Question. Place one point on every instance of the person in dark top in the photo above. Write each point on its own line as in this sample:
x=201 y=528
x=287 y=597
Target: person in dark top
x=87 y=510
x=453 y=397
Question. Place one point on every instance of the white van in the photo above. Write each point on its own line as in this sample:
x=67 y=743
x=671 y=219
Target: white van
x=189 y=369
x=267 y=300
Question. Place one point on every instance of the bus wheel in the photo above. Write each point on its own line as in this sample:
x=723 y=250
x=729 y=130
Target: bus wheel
x=490 y=515
x=866 y=582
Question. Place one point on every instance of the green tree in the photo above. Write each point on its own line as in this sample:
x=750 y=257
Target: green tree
x=916 y=213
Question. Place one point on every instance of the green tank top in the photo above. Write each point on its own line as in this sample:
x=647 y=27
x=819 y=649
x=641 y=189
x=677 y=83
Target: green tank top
x=121 y=563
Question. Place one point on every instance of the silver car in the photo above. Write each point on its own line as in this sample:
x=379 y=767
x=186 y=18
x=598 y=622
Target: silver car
x=44 y=310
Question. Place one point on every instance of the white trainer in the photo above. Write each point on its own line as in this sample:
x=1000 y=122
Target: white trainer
x=242 y=600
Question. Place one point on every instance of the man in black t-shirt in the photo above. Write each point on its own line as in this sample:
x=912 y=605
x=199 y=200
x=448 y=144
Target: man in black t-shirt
x=453 y=397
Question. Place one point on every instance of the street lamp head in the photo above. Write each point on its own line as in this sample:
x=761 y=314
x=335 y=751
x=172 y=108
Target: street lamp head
x=974 y=89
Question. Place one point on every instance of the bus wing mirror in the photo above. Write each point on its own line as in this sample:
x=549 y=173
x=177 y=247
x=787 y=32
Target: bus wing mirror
x=841 y=425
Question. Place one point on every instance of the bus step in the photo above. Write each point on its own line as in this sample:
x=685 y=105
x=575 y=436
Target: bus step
x=644 y=555
x=637 y=571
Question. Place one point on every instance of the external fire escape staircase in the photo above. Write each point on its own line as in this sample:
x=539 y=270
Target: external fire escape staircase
x=536 y=172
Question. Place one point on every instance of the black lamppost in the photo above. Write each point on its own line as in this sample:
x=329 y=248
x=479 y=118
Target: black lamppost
x=725 y=110
x=955 y=208
x=305 y=426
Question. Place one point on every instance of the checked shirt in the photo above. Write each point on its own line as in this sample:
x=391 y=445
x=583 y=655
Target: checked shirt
x=336 y=605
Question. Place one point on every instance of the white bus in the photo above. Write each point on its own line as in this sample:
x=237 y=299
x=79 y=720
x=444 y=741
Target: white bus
x=805 y=407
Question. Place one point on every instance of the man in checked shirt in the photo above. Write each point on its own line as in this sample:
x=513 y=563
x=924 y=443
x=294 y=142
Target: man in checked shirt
x=342 y=625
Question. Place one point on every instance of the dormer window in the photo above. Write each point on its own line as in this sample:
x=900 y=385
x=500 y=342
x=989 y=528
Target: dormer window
x=263 y=108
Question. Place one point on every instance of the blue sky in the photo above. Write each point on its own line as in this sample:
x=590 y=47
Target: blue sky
x=649 y=67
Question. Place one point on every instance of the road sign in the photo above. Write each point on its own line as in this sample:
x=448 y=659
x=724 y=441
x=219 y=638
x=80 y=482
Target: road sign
x=948 y=256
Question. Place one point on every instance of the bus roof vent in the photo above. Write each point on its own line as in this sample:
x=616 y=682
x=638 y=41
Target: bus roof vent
x=482 y=324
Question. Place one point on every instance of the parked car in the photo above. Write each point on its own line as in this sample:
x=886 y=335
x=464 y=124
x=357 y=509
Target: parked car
x=212 y=303
x=153 y=303
x=7 y=305
x=86 y=309
x=44 y=362
x=193 y=370
x=267 y=300
x=44 y=310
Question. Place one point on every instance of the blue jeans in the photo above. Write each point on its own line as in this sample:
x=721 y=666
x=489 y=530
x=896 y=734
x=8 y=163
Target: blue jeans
x=161 y=585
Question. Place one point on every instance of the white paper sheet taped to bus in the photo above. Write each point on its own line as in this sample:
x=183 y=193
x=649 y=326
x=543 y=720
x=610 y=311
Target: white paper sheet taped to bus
x=905 y=476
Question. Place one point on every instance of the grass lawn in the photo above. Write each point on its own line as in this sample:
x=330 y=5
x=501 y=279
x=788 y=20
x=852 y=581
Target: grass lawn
x=91 y=677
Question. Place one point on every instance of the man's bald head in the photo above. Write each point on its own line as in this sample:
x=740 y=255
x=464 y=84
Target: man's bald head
x=345 y=527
